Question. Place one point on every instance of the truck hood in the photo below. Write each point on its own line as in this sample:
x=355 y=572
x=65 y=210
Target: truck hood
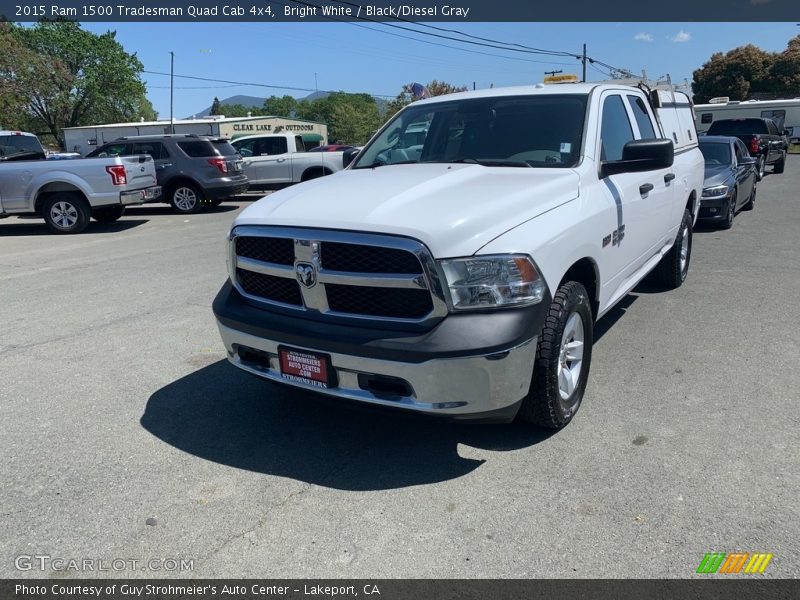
x=454 y=209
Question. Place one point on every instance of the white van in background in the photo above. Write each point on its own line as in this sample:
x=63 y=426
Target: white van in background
x=784 y=113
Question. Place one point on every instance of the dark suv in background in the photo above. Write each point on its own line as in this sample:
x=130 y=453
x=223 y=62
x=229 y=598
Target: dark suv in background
x=194 y=171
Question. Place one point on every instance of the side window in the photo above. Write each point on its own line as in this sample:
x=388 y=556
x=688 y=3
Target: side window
x=246 y=148
x=197 y=149
x=272 y=146
x=778 y=117
x=642 y=118
x=298 y=141
x=154 y=149
x=741 y=150
x=771 y=128
x=615 y=129
x=111 y=150
x=706 y=118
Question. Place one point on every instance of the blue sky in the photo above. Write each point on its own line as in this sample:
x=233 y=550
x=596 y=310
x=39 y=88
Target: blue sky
x=356 y=59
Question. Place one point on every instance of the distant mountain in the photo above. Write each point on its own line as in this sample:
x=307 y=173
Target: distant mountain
x=256 y=102
x=248 y=101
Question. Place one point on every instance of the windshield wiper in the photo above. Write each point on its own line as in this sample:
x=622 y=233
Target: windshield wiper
x=380 y=163
x=494 y=162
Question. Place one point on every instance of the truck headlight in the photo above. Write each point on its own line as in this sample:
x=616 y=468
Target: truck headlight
x=492 y=281
x=715 y=192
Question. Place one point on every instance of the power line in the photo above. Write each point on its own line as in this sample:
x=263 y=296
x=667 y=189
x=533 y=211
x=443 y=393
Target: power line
x=263 y=85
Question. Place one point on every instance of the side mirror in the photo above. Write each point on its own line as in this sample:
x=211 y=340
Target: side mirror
x=787 y=132
x=348 y=156
x=641 y=155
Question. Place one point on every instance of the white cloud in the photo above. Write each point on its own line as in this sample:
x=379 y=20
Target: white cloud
x=643 y=37
x=681 y=36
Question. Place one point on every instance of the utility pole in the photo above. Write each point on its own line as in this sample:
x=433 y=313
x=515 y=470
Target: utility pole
x=171 y=91
x=583 y=60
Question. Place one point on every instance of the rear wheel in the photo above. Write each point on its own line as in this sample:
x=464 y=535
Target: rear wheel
x=674 y=266
x=731 y=213
x=563 y=355
x=66 y=213
x=781 y=164
x=186 y=198
x=108 y=214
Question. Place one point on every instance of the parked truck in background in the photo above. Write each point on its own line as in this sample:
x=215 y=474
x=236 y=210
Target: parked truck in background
x=68 y=193
x=765 y=142
x=277 y=160
x=462 y=275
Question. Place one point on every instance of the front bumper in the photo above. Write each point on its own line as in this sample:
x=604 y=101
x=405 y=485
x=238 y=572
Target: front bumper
x=713 y=209
x=140 y=196
x=469 y=367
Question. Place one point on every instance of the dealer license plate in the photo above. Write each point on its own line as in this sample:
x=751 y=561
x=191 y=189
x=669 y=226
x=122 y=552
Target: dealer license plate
x=306 y=367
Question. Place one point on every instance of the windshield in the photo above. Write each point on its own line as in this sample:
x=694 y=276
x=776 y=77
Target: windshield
x=716 y=153
x=515 y=131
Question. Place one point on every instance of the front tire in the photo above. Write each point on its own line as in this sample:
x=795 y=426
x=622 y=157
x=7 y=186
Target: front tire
x=563 y=356
x=729 y=216
x=674 y=266
x=108 y=214
x=66 y=213
x=186 y=198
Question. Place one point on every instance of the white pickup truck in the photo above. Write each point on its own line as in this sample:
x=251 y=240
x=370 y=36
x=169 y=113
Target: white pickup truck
x=276 y=160
x=464 y=278
x=67 y=193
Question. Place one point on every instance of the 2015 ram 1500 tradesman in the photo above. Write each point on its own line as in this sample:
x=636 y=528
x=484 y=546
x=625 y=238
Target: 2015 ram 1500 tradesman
x=463 y=276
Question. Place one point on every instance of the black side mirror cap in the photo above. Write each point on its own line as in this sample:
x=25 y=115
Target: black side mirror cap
x=348 y=156
x=642 y=155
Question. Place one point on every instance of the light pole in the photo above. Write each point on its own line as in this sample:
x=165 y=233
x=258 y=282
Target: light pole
x=171 y=90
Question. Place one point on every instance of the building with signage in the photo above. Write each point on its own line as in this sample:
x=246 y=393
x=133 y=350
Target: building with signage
x=85 y=139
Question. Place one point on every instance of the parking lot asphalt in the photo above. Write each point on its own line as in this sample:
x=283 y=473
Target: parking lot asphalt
x=125 y=434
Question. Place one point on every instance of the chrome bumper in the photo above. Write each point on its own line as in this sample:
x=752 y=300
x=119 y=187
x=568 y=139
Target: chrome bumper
x=140 y=196
x=453 y=386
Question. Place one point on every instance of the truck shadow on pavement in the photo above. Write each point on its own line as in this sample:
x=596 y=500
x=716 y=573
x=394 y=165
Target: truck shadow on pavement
x=163 y=209
x=39 y=228
x=226 y=416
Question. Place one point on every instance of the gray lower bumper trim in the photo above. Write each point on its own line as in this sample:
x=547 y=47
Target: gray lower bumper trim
x=451 y=386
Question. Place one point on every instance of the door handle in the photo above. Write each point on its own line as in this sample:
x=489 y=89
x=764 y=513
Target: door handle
x=280 y=160
x=162 y=167
x=645 y=187
x=669 y=177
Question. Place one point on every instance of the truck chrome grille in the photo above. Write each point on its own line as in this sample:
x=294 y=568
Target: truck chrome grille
x=342 y=274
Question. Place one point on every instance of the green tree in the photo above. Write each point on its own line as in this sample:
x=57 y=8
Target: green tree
x=737 y=74
x=238 y=110
x=216 y=107
x=786 y=70
x=435 y=88
x=94 y=81
x=280 y=106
